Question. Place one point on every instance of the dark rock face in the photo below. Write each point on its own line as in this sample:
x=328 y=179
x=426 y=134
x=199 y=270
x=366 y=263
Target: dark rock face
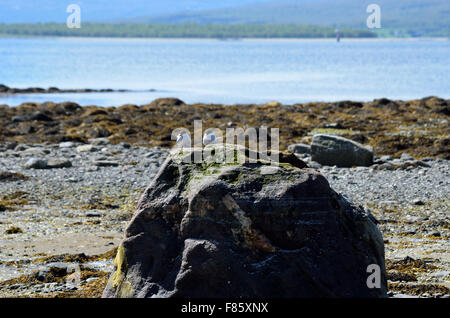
x=167 y=102
x=246 y=230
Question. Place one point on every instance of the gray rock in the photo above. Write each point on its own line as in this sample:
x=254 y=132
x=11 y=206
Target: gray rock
x=58 y=163
x=334 y=150
x=35 y=163
x=222 y=231
x=300 y=148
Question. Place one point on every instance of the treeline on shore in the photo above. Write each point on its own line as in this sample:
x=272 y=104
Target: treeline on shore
x=185 y=30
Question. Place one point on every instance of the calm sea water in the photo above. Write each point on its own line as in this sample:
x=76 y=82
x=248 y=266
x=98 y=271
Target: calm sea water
x=229 y=72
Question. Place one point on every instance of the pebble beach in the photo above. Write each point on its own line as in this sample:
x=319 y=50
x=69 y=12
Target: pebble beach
x=66 y=203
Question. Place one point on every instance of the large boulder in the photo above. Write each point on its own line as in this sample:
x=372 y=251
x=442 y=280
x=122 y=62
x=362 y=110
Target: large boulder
x=338 y=151
x=237 y=229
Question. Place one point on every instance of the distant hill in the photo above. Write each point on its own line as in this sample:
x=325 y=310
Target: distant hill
x=28 y=11
x=399 y=17
x=412 y=17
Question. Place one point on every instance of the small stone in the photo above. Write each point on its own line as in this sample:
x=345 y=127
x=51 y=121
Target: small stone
x=16 y=286
x=435 y=234
x=39 y=116
x=150 y=154
x=21 y=147
x=386 y=166
x=67 y=144
x=92 y=169
x=35 y=152
x=93 y=215
x=11 y=145
x=406 y=156
x=334 y=126
x=418 y=202
x=421 y=163
x=314 y=165
x=35 y=163
x=386 y=158
x=18 y=119
x=86 y=148
x=56 y=163
x=104 y=163
x=125 y=145
x=405 y=296
x=99 y=141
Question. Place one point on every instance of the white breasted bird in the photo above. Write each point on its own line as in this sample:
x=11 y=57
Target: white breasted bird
x=209 y=138
x=183 y=141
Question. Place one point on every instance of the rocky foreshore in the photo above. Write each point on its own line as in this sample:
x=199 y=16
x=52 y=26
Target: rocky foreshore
x=70 y=183
x=418 y=127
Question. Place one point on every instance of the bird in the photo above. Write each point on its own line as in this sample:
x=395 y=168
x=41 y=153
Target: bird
x=183 y=141
x=209 y=138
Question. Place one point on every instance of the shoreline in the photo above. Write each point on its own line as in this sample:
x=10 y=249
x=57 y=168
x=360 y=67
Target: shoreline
x=11 y=91
x=76 y=213
x=333 y=39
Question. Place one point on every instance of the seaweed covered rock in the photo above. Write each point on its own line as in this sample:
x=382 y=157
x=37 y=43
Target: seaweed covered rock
x=252 y=229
